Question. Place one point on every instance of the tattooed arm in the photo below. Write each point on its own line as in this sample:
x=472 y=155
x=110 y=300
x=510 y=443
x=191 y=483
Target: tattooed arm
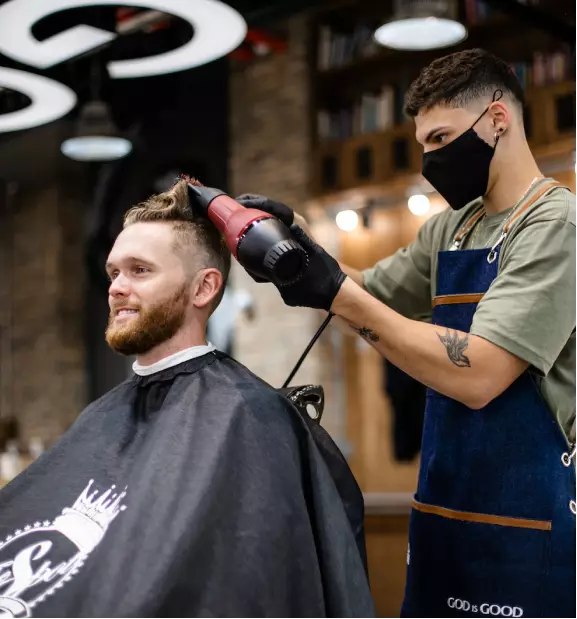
x=464 y=367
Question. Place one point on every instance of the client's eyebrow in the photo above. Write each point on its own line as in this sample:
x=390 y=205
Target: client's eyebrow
x=129 y=260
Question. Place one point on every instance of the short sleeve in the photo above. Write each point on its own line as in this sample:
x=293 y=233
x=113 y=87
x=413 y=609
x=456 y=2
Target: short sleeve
x=529 y=309
x=403 y=281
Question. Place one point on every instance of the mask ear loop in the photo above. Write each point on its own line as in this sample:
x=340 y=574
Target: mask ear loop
x=497 y=96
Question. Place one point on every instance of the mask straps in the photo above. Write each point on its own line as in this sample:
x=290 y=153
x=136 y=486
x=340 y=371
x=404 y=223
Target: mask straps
x=497 y=96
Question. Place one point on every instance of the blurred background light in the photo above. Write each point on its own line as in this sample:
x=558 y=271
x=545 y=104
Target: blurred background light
x=347 y=220
x=419 y=204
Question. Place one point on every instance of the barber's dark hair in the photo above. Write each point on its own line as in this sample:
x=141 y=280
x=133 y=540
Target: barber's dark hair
x=459 y=79
x=192 y=234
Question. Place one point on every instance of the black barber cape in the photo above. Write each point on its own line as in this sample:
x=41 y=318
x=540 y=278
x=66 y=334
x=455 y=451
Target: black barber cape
x=198 y=491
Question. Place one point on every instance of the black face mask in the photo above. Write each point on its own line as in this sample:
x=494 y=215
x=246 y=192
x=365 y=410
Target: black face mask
x=459 y=171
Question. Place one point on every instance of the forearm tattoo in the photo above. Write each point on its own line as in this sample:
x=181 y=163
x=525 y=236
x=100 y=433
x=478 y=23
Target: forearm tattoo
x=456 y=347
x=367 y=334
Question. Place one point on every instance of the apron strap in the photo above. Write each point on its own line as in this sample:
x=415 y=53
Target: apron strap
x=530 y=202
x=539 y=194
x=469 y=224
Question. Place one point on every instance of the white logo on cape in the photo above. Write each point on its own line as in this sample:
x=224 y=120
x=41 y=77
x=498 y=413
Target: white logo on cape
x=39 y=559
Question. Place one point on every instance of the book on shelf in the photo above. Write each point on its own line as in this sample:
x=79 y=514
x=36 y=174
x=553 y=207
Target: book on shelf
x=337 y=49
x=373 y=111
x=545 y=69
x=478 y=11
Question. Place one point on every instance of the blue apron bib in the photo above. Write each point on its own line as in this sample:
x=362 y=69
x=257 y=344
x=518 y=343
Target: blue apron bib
x=492 y=528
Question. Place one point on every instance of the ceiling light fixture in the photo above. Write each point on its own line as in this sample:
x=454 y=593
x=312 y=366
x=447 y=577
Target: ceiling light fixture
x=97 y=137
x=347 y=220
x=420 y=25
x=218 y=29
x=50 y=100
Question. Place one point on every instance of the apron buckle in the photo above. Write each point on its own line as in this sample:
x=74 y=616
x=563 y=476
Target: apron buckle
x=493 y=253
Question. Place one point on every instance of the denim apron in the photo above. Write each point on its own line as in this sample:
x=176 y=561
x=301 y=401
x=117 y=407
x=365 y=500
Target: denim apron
x=492 y=529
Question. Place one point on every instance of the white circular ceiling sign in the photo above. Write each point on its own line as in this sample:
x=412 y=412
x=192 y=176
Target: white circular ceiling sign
x=50 y=100
x=218 y=29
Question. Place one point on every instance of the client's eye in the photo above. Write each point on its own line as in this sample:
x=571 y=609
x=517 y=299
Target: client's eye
x=140 y=270
x=439 y=138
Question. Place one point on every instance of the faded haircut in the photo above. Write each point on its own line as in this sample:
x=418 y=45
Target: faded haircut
x=461 y=79
x=194 y=235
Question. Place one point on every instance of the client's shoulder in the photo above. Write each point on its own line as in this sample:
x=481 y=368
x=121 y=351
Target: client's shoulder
x=259 y=397
x=232 y=371
x=108 y=400
x=236 y=376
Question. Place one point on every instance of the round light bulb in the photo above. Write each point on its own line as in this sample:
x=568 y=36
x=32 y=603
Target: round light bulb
x=347 y=220
x=419 y=204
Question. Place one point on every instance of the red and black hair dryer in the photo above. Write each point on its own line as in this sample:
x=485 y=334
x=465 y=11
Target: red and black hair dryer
x=262 y=244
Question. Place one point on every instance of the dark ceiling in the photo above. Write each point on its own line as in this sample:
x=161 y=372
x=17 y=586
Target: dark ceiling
x=137 y=99
x=201 y=92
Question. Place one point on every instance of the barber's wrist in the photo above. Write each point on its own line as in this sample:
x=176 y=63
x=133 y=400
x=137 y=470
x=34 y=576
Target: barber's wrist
x=343 y=301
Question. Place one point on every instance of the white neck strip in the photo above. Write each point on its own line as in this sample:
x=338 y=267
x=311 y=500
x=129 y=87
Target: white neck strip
x=172 y=360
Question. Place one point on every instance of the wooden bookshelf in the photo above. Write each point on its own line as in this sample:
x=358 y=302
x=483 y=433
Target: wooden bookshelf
x=350 y=154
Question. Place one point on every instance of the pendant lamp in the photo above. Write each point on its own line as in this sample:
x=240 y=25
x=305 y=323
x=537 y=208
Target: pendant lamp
x=96 y=138
x=421 y=25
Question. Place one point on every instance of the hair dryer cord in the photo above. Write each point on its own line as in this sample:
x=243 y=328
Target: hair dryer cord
x=308 y=349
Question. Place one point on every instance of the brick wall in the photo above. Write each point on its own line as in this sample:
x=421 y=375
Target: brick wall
x=270 y=154
x=41 y=312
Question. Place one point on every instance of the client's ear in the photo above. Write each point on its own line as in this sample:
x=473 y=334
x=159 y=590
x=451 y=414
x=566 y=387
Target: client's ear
x=207 y=284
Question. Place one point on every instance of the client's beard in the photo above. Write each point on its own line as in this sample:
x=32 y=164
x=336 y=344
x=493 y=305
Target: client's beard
x=152 y=327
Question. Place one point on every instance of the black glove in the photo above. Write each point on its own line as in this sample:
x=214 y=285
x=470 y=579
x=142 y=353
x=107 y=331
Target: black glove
x=321 y=280
x=262 y=203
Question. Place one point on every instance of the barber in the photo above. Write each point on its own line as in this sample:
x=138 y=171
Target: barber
x=493 y=520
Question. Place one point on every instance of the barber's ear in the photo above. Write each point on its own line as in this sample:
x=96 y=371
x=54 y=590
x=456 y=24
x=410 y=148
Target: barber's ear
x=500 y=116
x=206 y=286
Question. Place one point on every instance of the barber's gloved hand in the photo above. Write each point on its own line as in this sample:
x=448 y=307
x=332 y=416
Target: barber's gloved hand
x=321 y=280
x=262 y=203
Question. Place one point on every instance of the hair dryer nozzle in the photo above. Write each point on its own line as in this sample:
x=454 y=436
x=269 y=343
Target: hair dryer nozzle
x=268 y=250
x=200 y=197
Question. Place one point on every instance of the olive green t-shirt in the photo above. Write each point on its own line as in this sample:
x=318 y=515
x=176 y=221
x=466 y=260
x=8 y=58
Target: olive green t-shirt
x=529 y=308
